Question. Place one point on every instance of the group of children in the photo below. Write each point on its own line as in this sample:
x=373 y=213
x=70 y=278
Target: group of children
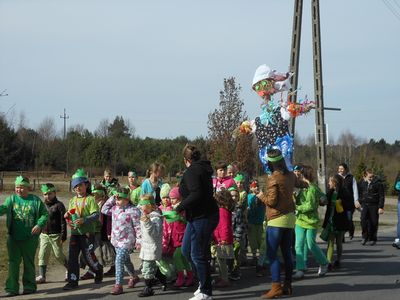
x=108 y=222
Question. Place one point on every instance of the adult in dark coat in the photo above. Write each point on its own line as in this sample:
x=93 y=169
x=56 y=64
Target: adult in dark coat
x=201 y=212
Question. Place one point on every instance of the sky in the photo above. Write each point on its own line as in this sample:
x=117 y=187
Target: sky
x=161 y=64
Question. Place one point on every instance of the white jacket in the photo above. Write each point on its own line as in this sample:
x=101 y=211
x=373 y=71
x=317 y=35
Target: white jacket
x=152 y=231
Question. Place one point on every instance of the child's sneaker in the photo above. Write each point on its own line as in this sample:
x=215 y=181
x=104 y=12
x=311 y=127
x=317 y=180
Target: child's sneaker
x=322 y=270
x=117 y=290
x=87 y=275
x=133 y=281
x=71 y=286
x=222 y=284
x=40 y=279
x=396 y=243
x=147 y=292
x=235 y=275
x=180 y=279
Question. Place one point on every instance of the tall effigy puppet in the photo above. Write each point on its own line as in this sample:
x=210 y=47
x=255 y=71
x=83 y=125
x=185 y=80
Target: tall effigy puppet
x=271 y=128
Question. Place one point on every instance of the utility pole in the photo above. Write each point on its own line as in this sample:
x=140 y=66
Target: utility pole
x=319 y=96
x=65 y=117
x=295 y=55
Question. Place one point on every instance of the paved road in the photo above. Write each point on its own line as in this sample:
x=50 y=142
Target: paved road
x=368 y=272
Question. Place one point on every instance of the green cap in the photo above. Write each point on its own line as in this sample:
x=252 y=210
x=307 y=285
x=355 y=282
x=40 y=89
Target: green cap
x=146 y=202
x=233 y=188
x=238 y=177
x=121 y=195
x=47 y=188
x=80 y=173
x=20 y=180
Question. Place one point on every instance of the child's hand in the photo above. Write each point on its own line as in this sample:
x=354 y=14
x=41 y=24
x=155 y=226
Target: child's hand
x=79 y=221
x=380 y=211
x=36 y=230
x=67 y=215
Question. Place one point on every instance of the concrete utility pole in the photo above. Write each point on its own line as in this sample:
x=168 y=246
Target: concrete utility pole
x=319 y=96
x=65 y=117
x=318 y=86
x=295 y=55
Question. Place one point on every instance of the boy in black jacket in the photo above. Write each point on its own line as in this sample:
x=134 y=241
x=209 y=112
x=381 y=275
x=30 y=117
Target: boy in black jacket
x=372 y=200
x=54 y=233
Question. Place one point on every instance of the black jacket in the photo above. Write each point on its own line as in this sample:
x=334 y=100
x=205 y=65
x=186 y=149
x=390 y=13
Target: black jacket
x=339 y=220
x=372 y=193
x=56 y=223
x=348 y=193
x=196 y=190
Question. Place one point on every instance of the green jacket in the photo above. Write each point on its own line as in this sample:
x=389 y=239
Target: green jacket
x=23 y=214
x=307 y=203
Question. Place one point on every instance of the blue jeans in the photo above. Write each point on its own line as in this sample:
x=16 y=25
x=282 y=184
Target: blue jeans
x=280 y=237
x=196 y=248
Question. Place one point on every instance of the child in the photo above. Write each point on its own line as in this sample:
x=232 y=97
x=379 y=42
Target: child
x=239 y=224
x=222 y=182
x=307 y=223
x=54 y=234
x=239 y=181
x=223 y=236
x=178 y=224
x=124 y=234
x=153 y=182
x=26 y=216
x=104 y=251
x=151 y=229
x=256 y=217
x=109 y=182
x=335 y=220
x=82 y=214
x=134 y=187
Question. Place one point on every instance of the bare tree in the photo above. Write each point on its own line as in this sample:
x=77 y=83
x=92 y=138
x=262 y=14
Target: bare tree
x=223 y=121
x=102 y=129
x=47 y=129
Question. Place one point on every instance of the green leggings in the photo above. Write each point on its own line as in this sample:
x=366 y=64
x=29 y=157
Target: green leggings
x=338 y=237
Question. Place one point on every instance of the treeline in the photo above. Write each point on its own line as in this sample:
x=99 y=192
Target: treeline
x=115 y=146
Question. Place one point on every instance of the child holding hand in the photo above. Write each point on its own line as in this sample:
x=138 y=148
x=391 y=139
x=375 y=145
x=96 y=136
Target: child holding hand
x=124 y=235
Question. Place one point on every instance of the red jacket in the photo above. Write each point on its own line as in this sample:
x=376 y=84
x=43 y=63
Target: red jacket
x=224 y=231
x=178 y=231
x=167 y=245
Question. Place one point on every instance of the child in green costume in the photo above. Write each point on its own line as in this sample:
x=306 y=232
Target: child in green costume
x=26 y=216
x=134 y=187
x=83 y=212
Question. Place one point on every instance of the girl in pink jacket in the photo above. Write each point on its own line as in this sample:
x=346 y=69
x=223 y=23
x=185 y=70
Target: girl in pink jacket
x=178 y=226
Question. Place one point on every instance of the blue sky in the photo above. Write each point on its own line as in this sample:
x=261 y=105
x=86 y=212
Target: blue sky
x=161 y=64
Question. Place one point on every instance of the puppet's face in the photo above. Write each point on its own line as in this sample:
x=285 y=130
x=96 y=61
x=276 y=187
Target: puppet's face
x=264 y=88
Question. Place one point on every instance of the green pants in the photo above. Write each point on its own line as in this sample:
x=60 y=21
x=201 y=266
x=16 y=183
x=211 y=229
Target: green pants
x=180 y=262
x=149 y=269
x=255 y=232
x=21 y=250
x=50 y=242
x=305 y=240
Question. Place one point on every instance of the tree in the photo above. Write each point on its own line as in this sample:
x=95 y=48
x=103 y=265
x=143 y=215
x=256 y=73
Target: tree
x=8 y=147
x=223 y=121
x=118 y=128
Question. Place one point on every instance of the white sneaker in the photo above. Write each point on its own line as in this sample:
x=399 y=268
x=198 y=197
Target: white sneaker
x=201 y=296
x=40 y=279
x=197 y=291
x=322 y=270
x=396 y=243
x=298 y=275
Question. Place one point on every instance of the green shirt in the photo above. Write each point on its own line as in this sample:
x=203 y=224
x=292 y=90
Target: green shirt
x=23 y=214
x=307 y=203
x=134 y=195
x=284 y=221
x=84 y=207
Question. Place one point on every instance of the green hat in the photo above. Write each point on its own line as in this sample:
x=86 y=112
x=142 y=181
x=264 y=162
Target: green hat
x=274 y=159
x=22 y=181
x=121 y=195
x=147 y=201
x=97 y=191
x=233 y=188
x=47 y=188
x=165 y=189
x=132 y=174
x=238 y=177
x=79 y=177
